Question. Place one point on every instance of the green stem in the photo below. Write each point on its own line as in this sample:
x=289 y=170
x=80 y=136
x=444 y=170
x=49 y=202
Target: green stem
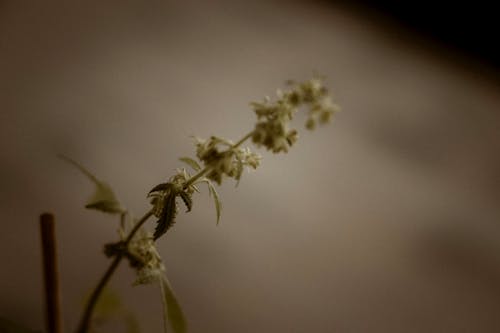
x=137 y=226
x=200 y=174
x=243 y=139
x=89 y=309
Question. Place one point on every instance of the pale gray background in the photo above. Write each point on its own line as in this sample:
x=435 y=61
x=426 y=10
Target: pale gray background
x=387 y=221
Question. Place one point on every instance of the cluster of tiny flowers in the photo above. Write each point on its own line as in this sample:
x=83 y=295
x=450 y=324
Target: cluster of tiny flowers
x=229 y=162
x=148 y=263
x=272 y=129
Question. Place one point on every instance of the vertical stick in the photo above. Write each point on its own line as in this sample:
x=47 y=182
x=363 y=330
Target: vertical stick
x=51 y=274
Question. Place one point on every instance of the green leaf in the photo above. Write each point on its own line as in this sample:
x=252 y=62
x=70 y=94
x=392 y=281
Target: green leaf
x=172 y=312
x=160 y=187
x=217 y=202
x=213 y=192
x=239 y=169
x=109 y=304
x=195 y=188
x=110 y=309
x=132 y=324
x=103 y=199
x=167 y=218
x=192 y=163
x=186 y=198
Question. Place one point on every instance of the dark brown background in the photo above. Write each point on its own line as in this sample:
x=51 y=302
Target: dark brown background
x=387 y=221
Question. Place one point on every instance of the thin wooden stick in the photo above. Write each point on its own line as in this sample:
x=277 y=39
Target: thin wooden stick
x=51 y=274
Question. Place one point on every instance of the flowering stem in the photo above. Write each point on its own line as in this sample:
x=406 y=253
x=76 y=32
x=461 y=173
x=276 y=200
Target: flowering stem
x=87 y=315
x=271 y=131
x=203 y=171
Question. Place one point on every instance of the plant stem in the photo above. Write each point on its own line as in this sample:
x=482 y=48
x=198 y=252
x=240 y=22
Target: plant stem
x=137 y=226
x=87 y=315
x=200 y=174
x=242 y=140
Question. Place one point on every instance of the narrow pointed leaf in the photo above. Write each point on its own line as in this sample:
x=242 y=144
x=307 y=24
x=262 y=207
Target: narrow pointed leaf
x=132 y=323
x=109 y=304
x=186 y=198
x=239 y=170
x=172 y=312
x=167 y=218
x=217 y=202
x=110 y=308
x=79 y=167
x=103 y=199
x=192 y=163
x=160 y=187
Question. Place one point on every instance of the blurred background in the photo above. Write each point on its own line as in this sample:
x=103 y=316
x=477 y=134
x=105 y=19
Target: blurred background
x=386 y=221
